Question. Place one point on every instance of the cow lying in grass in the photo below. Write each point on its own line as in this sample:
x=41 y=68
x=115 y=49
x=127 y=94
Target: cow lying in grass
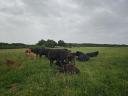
x=12 y=63
x=85 y=57
x=93 y=54
x=81 y=56
x=69 y=68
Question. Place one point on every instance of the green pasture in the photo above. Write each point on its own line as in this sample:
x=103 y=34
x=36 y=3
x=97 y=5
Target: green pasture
x=104 y=75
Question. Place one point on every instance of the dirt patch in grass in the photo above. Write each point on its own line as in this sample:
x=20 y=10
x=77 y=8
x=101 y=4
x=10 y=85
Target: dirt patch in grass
x=13 y=88
x=13 y=64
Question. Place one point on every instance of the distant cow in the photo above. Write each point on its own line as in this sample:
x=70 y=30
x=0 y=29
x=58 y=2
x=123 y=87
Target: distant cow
x=78 y=53
x=93 y=54
x=69 y=68
x=83 y=57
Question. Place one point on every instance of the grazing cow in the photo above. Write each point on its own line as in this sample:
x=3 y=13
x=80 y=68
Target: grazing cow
x=69 y=68
x=70 y=59
x=93 y=54
x=60 y=56
x=43 y=51
x=40 y=51
x=57 y=54
x=46 y=51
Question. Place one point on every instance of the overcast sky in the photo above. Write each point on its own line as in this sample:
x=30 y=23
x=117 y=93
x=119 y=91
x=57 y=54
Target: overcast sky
x=80 y=21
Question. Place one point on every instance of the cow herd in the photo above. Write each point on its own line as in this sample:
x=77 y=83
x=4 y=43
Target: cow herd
x=64 y=59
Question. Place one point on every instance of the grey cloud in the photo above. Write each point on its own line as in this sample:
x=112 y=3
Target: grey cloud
x=89 y=21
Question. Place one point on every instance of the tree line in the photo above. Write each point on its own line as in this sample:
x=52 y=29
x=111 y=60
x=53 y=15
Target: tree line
x=42 y=43
x=51 y=44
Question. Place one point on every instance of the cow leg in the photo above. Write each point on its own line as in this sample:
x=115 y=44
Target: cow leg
x=62 y=62
x=74 y=61
x=57 y=63
x=67 y=61
x=40 y=55
x=51 y=62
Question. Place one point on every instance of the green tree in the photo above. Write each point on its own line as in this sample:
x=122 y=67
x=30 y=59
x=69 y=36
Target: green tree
x=41 y=42
x=61 y=43
x=50 y=43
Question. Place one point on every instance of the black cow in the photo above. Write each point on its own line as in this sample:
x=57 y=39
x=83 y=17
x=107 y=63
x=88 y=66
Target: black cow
x=81 y=56
x=78 y=53
x=40 y=51
x=35 y=50
x=93 y=54
x=59 y=55
x=70 y=58
x=44 y=51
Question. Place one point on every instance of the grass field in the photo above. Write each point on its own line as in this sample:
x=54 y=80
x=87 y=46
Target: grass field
x=104 y=75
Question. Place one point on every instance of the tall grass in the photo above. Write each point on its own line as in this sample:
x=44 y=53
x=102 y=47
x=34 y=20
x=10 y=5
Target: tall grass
x=104 y=75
